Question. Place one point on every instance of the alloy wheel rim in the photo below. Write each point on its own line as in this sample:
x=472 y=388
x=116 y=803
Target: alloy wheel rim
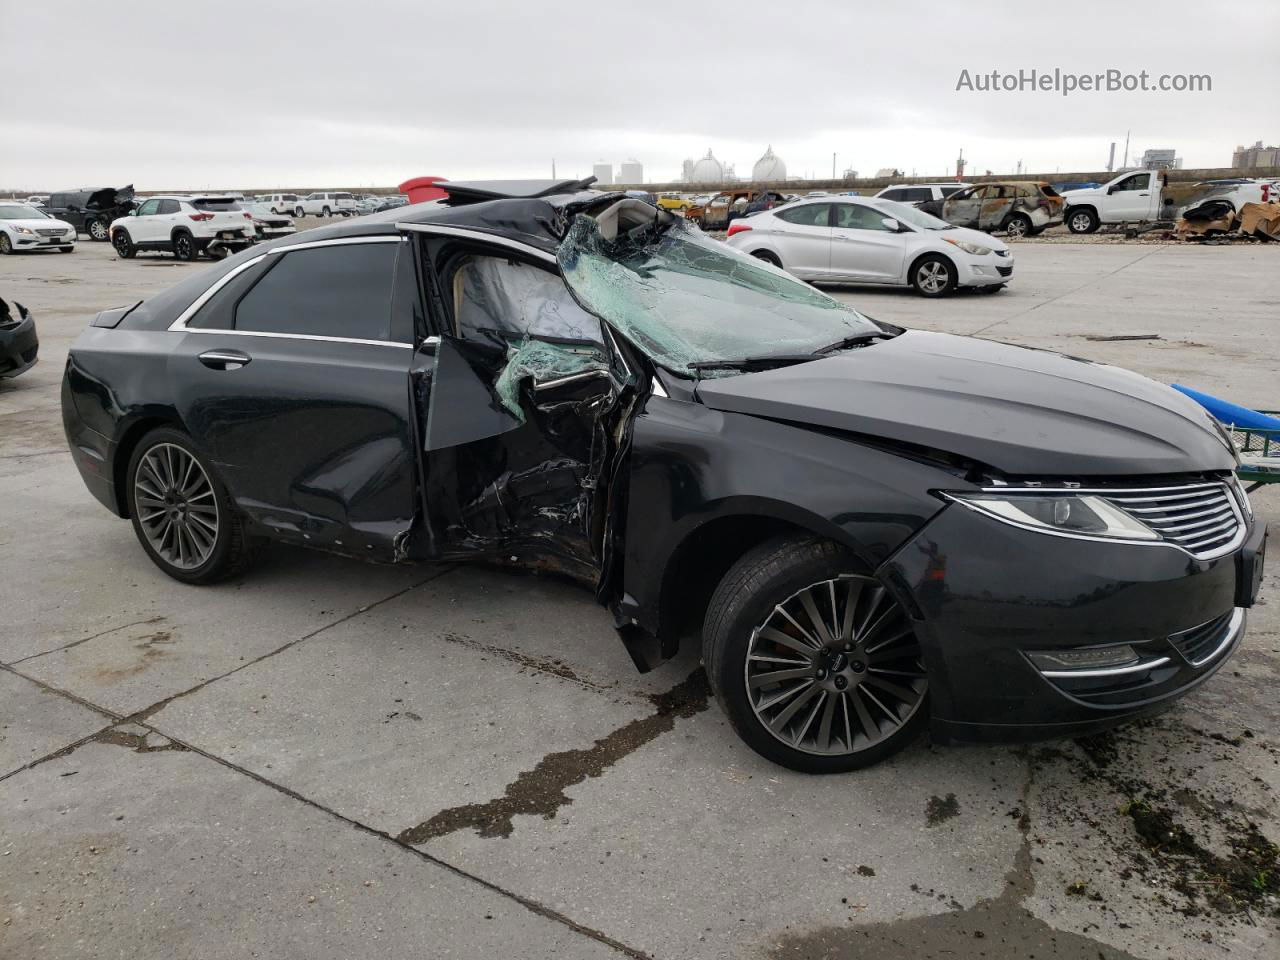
x=1080 y=221
x=1016 y=228
x=933 y=276
x=176 y=506
x=98 y=230
x=121 y=244
x=835 y=668
x=5 y=243
x=183 y=247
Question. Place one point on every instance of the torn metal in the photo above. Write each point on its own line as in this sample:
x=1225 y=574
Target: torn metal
x=1014 y=206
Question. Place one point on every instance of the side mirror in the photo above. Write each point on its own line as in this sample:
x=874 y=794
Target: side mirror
x=892 y=225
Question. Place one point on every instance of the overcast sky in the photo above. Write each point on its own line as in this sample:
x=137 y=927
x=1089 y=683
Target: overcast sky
x=324 y=93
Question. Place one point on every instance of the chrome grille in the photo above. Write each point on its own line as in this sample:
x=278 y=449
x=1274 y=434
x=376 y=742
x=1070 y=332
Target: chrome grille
x=1202 y=518
x=1199 y=644
x=47 y=232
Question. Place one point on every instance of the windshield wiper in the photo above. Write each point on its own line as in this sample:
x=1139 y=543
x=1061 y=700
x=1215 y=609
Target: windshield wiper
x=857 y=340
x=751 y=363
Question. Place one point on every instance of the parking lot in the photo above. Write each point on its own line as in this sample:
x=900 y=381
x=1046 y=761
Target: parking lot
x=329 y=759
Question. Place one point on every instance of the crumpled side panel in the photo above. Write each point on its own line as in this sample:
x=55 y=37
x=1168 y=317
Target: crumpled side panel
x=543 y=362
x=682 y=297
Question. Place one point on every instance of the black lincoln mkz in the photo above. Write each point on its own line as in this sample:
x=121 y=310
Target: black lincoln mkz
x=868 y=529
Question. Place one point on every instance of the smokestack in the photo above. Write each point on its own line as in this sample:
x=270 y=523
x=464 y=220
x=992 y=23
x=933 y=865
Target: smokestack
x=1111 y=160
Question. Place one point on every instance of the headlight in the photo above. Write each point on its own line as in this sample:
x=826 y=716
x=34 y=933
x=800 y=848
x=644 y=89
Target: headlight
x=1079 y=515
x=967 y=247
x=28 y=231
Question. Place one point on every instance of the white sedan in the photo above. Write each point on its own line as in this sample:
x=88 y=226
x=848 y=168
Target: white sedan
x=23 y=227
x=866 y=240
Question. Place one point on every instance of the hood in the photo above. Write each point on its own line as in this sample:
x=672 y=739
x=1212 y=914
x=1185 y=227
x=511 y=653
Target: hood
x=45 y=223
x=109 y=197
x=974 y=236
x=1083 y=193
x=1024 y=412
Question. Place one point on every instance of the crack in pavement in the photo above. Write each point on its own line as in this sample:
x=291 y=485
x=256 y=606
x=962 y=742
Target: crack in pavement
x=76 y=643
x=548 y=665
x=542 y=789
x=1045 y=303
x=147 y=712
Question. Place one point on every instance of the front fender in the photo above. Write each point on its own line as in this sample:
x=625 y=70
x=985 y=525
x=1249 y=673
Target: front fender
x=691 y=465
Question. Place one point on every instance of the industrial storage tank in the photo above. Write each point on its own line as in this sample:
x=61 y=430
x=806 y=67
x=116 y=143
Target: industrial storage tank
x=603 y=172
x=631 y=171
x=769 y=167
x=707 y=170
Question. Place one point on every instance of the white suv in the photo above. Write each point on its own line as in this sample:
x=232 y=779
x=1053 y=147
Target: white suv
x=280 y=202
x=917 y=193
x=186 y=225
x=326 y=204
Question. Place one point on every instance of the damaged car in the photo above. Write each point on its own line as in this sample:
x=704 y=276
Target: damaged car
x=1018 y=208
x=19 y=344
x=91 y=210
x=865 y=530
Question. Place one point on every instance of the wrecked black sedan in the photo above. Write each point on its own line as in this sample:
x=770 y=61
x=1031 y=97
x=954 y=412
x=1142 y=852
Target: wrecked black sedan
x=868 y=530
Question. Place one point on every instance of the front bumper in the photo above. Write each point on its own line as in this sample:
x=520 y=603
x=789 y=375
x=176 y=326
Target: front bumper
x=22 y=241
x=986 y=595
x=19 y=348
x=982 y=272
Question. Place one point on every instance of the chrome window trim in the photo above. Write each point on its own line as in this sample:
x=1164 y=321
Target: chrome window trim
x=180 y=324
x=1227 y=548
x=1105 y=671
x=480 y=236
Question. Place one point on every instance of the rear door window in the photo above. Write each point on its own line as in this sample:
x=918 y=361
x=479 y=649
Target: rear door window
x=340 y=291
x=167 y=206
x=809 y=215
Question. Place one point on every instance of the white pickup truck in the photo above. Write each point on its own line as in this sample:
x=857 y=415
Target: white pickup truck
x=1146 y=196
x=326 y=204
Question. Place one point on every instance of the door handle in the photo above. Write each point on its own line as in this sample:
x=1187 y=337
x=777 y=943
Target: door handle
x=224 y=359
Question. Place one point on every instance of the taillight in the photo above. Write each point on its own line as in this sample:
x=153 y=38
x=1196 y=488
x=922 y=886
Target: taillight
x=248 y=216
x=201 y=217
x=737 y=228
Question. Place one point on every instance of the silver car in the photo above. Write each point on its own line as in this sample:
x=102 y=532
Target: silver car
x=867 y=240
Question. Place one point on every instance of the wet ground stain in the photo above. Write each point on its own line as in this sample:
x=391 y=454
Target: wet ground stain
x=999 y=928
x=548 y=665
x=541 y=791
x=152 y=646
x=941 y=809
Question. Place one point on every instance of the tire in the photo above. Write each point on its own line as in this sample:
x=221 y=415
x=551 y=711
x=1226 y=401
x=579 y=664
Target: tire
x=97 y=230
x=194 y=535
x=184 y=246
x=326 y=212
x=217 y=253
x=6 y=245
x=864 y=716
x=299 y=212
x=275 y=211
x=933 y=276
x=992 y=288
x=124 y=245
x=1082 y=221
x=65 y=249
x=767 y=257
x=1018 y=226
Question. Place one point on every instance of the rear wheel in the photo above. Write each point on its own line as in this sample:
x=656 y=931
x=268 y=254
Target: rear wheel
x=933 y=276
x=326 y=212
x=1082 y=221
x=299 y=212
x=767 y=257
x=123 y=244
x=815 y=664
x=184 y=246
x=181 y=512
x=1018 y=226
x=97 y=229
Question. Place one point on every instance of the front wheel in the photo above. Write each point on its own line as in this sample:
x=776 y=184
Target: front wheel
x=97 y=229
x=123 y=244
x=299 y=212
x=181 y=512
x=326 y=212
x=815 y=663
x=6 y=245
x=1082 y=221
x=933 y=276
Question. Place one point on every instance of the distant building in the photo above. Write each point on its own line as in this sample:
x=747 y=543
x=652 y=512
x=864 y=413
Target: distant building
x=1160 y=160
x=631 y=171
x=603 y=172
x=706 y=170
x=850 y=173
x=1256 y=156
x=686 y=170
x=769 y=167
x=888 y=172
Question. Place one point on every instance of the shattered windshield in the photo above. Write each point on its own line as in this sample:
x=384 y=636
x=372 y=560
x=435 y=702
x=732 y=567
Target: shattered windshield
x=685 y=299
